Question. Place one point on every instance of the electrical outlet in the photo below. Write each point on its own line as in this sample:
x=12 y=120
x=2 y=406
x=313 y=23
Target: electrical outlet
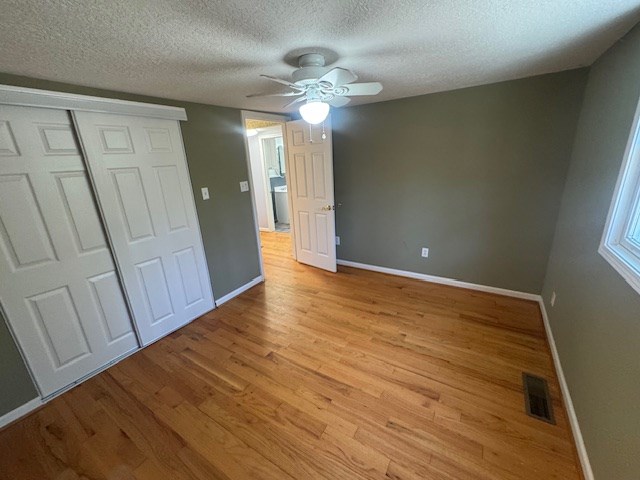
x=244 y=186
x=205 y=193
x=553 y=299
x=425 y=252
x=337 y=240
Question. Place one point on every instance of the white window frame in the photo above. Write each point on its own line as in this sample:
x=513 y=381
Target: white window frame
x=616 y=247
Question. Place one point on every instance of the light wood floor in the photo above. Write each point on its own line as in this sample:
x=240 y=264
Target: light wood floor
x=314 y=375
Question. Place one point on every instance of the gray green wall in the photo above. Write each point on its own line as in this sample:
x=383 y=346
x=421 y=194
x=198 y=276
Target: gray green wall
x=476 y=175
x=214 y=143
x=596 y=317
x=17 y=388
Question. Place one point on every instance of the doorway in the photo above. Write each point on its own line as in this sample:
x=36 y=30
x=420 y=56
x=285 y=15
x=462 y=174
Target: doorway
x=267 y=162
x=291 y=174
x=268 y=171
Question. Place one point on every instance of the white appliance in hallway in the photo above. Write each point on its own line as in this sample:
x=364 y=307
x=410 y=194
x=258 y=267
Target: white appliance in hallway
x=282 y=204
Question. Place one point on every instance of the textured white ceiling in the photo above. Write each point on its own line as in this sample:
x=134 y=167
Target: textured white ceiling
x=213 y=51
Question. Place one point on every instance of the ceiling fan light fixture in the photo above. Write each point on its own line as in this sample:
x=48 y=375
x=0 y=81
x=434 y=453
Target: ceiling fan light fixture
x=317 y=89
x=314 y=112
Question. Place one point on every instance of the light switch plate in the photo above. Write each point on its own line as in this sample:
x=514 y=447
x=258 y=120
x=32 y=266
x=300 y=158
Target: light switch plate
x=205 y=193
x=244 y=186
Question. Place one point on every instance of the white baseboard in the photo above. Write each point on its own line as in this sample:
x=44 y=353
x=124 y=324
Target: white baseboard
x=441 y=280
x=573 y=419
x=19 y=412
x=240 y=290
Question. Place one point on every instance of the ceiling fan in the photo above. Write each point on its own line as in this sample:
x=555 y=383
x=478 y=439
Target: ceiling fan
x=319 y=88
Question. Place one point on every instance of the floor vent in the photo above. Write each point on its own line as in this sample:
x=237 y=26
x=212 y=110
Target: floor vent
x=536 y=398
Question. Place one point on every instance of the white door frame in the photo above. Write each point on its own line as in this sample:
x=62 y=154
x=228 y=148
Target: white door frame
x=269 y=117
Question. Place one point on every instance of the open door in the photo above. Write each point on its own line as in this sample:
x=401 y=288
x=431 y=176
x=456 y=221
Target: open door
x=311 y=184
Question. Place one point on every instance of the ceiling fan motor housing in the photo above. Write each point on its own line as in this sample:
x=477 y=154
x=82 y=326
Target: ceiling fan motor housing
x=311 y=68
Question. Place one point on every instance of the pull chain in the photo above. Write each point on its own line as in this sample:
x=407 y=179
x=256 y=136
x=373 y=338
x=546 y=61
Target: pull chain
x=323 y=136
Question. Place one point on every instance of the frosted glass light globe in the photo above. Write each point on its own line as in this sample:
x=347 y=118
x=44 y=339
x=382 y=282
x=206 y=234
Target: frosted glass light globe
x=314 y=112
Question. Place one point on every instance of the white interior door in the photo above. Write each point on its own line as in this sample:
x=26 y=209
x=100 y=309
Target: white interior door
x=58 y=284
x=312 y=201
x=140 y=174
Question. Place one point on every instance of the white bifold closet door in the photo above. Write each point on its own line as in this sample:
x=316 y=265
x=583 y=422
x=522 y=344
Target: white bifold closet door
x=139 y=172
x=58 y=283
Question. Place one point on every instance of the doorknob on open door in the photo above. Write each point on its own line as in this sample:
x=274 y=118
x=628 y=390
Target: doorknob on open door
x=328 y=208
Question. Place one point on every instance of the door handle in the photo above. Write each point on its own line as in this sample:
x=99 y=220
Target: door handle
x=328 y=208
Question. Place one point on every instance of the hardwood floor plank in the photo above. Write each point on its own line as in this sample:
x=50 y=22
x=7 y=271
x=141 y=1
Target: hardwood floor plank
x=314 y=375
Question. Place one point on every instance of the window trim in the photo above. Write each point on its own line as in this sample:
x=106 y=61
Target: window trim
x=623 y=204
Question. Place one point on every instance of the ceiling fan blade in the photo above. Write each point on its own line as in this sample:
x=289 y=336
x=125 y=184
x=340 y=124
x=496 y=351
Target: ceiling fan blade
x=282 y=94
x=338 y=76
x=370 y=88
x=297 y=100
x=339 y=101
x=283 y=82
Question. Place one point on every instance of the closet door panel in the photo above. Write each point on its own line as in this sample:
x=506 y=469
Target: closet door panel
x=140 y=175
x=111 y=305
x=26 y=238
x=58 y=284
x=75 y=192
